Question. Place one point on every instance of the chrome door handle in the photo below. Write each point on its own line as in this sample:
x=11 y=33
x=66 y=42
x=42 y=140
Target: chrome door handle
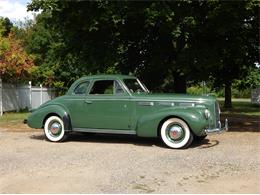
x=88 y=102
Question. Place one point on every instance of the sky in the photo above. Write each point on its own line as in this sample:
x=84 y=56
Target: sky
x=15 y=10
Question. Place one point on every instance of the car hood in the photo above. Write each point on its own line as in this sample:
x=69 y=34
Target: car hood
x=173 y=97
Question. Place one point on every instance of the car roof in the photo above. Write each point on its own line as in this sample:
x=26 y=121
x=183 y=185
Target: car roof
x=101 y=76
x=108 y=76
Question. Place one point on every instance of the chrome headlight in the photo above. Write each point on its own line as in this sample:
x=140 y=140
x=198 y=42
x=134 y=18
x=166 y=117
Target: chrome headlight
x=207 y=114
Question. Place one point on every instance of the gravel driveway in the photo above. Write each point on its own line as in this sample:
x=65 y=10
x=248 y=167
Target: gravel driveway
x=226 y=163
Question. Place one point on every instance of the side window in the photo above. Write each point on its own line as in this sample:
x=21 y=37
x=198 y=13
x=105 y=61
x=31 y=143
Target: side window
x=81 y=88
x=108 y=87
x=102 y=87
x=118 y=88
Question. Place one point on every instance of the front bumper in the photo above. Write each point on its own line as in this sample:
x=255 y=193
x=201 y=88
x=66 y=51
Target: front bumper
x=219 y=129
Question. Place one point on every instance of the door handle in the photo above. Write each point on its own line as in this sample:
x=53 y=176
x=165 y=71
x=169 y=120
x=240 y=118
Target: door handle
x=88 y=102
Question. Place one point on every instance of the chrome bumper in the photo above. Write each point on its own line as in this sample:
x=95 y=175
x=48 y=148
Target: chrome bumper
x=219 y=129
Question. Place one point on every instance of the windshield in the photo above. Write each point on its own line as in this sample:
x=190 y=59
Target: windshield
x=135 y=86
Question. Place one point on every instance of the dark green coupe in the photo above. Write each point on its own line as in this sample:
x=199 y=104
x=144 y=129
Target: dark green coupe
x=123 y=105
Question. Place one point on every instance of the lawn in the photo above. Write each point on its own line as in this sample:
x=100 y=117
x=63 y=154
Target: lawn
x=13 y=121
x=243 y=116
x=13 y=117
x=241 y=107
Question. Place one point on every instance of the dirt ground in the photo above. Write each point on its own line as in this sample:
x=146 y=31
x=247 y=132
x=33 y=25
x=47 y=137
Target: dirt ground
x=224 y=163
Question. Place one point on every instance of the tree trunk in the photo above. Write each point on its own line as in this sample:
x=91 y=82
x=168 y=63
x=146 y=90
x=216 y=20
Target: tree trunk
x=179 y=84
x=228 y=103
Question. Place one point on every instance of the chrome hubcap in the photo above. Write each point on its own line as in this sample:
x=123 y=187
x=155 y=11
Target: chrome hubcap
x=176 y=132
x=55 y=128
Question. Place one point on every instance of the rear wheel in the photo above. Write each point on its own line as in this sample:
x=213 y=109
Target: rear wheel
x=175 y=133
x=54 y=129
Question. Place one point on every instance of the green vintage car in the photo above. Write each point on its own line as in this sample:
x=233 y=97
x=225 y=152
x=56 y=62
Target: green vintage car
x=123 y=105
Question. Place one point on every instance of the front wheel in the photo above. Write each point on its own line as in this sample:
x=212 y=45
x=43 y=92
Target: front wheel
x=54 y=129
x=175 y=133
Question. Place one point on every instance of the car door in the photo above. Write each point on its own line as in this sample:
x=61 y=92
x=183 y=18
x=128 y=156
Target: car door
x=76 y=103
x=108 y=106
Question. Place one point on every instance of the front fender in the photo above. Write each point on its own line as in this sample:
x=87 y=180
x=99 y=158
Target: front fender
x=37 y=117
x=147 y=125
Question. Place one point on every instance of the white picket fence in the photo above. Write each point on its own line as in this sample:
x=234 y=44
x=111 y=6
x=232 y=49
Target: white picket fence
x=17 y=97
x=255 y=95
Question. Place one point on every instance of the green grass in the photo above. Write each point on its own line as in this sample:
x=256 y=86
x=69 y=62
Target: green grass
x=13 y=117
x=242 y=107
x=236 y=99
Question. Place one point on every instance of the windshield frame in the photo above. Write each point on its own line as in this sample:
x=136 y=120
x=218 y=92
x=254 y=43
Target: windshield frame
x=142 y=86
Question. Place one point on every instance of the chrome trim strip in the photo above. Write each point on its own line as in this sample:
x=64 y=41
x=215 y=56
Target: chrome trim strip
x=127 y=98
x=183 y=101
x=125 y=87
x=145 y=103
x=200 y=106
x=144 y=88
x=187 y=104
x=111 y=131
x=75 y=99
x=166 y=103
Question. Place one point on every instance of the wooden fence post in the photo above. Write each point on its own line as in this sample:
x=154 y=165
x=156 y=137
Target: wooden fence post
x=30 y=94
x=41 y=93
x=17 y=97
x=1 y=98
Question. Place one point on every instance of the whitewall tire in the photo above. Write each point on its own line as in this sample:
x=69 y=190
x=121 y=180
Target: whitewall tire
x=54 y=129
x=175 y=133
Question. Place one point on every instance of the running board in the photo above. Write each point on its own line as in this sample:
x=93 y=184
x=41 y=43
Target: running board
x=110 y=131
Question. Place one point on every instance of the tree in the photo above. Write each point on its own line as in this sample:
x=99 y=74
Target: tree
x=5 y=26
x=70 y=43
x=232 y=37
x=168 y=41
x=15 y=64
x=136 y=37
x=251 y=79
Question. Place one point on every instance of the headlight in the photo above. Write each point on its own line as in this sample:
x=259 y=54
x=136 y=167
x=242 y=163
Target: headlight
x=207 y=113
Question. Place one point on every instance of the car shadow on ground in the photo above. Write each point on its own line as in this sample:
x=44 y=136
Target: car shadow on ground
x=242 y=122
x=107 y=138
x=126 y=139
x=206 y=143
x=114 y=138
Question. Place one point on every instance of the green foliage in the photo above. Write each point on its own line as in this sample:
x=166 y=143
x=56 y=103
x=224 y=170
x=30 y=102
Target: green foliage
x=15 y=63
x=110 y=32
x=164 y=42
x=199 y=90
x=245 y=93
x=241 y=107
x=5 y=26
x=250 y=81
x=236 y=92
